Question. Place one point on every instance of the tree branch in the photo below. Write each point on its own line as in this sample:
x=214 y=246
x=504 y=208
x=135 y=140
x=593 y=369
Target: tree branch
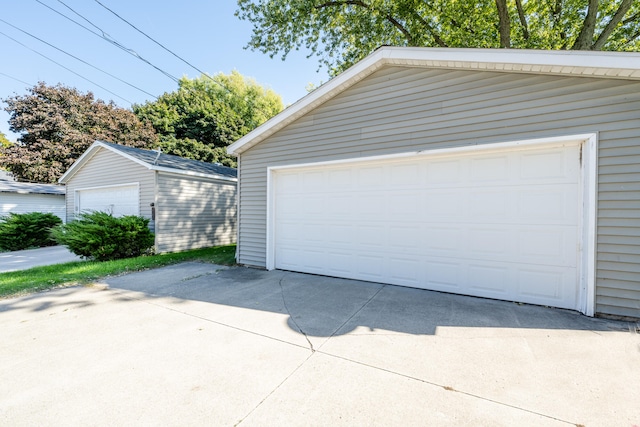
x=431 y=30
x=624 y=7
x=631 y=19
x=585 y=38
x=362 y=4
x=504 y=23
x=523 y=20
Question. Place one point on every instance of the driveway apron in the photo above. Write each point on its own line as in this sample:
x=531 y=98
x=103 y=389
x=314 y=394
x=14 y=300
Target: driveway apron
x=200 y=344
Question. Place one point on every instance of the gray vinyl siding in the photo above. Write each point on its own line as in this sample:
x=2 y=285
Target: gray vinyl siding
x=401 y=109
x=25 y=203
x=194 y=213
x=107 y=168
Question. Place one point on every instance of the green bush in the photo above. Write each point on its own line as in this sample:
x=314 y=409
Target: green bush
x=27 y=230
x=103 y=237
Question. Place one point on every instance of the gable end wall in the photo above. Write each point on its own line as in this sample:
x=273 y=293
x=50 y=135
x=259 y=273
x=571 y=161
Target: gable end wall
x=402 y=109
x=107 y=168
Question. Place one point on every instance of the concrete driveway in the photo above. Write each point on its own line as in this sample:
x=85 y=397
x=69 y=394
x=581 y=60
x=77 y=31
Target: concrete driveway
x=21 y=260
x=198 y=344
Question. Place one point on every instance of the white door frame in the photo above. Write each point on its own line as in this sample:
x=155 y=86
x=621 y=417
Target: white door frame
x=587 y=221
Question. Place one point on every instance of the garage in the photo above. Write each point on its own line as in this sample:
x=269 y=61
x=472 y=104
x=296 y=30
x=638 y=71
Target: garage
x=496 y=173
x=189 y=204
x=498 y=223
x=118 y=200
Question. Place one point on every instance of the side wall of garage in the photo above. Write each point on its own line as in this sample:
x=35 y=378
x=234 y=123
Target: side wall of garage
x=401 y=109
x=105 y=169
x=194 y=212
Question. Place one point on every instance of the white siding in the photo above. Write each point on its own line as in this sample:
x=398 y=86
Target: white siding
x=401 y=109
x=24 y=203
x=194 y=213
x=107 y=168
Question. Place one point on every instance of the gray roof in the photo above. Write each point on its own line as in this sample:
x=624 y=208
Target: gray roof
x=174 y=162
x=30 y=188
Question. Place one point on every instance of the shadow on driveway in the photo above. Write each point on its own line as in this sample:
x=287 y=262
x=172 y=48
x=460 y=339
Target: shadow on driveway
x=324 y=306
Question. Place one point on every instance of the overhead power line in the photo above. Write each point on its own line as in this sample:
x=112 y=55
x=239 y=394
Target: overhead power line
x=78 y=59
x=66 y=68
x=103 y=35
x=153 y=40
x=16 y=79
x=165 y=48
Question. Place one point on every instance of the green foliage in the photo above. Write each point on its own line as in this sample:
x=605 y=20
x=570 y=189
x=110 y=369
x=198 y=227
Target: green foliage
x=341 y=32
x=57 y=124
x=102 y=237
x=72 y=273
x=208 y=113
x=4 y=142
x=28 y=230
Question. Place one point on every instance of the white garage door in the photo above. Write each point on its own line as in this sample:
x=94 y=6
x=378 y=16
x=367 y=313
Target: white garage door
x=117 y=200
x=499 y=224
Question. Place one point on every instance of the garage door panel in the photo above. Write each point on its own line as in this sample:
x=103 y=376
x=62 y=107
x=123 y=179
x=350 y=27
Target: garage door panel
x=118 y=200
x=501 y=225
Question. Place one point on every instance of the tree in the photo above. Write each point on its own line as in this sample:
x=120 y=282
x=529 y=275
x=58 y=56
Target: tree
x=57 y=124
x=4 y=142
x=208 y=113
x=341 y=32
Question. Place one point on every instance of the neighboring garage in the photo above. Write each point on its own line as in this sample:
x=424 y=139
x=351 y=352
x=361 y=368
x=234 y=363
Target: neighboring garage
x=502 y=174
x=25 y=197
x=190 y=204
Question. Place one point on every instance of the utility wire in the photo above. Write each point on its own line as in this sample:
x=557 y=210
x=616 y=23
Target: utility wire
x=113 y=41
x=78 y=59
x=155 y=41
x=105 y=37
x=68 y=69
x=15 y=78
x=165 y=48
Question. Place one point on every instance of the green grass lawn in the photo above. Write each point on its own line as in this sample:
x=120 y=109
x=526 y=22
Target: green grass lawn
x=82 y=272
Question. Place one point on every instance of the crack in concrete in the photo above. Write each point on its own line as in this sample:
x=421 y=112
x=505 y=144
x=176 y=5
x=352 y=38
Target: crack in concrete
x=284 y=301
x=314 y=351
x=447 y=388
x=333 y=334
x=274 y=390
x=195 y=316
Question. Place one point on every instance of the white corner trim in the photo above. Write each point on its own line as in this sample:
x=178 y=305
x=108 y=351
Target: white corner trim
x=585 y=302
x=271 y=221
x=589 y=225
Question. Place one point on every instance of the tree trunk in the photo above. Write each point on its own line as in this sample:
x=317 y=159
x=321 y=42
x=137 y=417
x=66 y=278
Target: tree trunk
x=504 y=23
x=585 y=38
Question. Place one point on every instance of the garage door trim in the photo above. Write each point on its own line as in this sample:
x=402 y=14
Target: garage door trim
x=77 y=191
x=587 y=220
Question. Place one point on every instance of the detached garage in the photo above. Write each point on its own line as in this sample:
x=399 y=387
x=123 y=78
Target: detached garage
x=190 y=204
x=512 y=175
x=25 y=197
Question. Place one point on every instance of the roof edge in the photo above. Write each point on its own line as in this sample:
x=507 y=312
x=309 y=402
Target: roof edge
x=619 y=65
x=87 y=155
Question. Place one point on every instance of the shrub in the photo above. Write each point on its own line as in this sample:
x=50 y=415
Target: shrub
x=27 y=230
x=103 y=237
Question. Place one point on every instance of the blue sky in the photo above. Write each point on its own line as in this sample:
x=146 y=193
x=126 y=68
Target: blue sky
x=205 y=33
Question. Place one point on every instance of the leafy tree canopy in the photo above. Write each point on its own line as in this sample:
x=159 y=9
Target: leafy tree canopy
x=4 y=142
x=341 y=32
x=58 y=123
x=208 y=113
